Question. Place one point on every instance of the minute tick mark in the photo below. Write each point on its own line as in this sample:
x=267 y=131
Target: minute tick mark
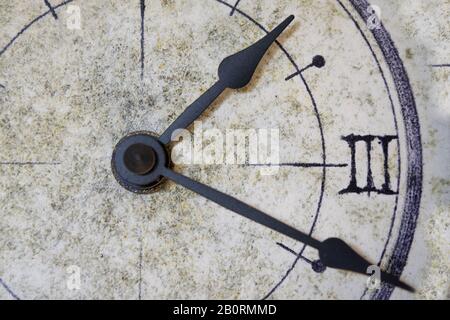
x=316 y=265
x=234 y=7
x=440 y=65
x=52 y=10
x=293 y=252
x=29 y=163
x=142 y=37
x=302 y=165
x=318 y=62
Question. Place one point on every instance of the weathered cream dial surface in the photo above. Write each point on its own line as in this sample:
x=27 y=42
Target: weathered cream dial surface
x=353 y=98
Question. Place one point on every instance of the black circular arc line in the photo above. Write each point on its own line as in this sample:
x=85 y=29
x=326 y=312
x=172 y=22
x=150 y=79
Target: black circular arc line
x=322 y=136
x=2 y=51
x=29 y=24
x=391 y=100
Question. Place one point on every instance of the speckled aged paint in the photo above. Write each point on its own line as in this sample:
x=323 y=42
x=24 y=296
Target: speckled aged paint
x=70 y=95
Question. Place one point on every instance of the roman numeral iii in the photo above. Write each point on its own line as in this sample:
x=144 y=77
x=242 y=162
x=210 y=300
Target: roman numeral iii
x=353 y=187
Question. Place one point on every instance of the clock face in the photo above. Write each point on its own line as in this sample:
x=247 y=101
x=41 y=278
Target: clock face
x=331 y=95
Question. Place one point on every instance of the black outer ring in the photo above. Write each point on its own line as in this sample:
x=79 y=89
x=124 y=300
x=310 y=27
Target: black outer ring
x=414 y=179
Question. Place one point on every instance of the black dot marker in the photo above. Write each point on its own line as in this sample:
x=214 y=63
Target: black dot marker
x=318 y=266
x=318 y=61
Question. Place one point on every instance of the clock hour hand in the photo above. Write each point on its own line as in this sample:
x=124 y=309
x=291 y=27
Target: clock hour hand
x=333 y=252
x=235 y=72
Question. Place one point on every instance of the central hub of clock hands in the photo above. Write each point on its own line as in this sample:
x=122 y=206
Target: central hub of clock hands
x=140 y=158
x=137 y=159
x=140 y=162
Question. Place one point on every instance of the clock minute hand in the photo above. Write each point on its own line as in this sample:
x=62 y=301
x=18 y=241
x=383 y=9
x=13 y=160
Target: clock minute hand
x=235 y=72
x=240 y=207
x=337 y=254
x=333 y=252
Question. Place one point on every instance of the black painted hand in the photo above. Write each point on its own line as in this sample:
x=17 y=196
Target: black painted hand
x=235 y=72
x=333 y=252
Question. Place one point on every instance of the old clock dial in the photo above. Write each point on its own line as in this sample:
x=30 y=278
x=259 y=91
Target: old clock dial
x=101 y=102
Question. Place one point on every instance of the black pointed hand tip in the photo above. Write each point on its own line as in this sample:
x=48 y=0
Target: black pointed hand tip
x=236 y=71
x=283 y=25
x=395 y=281
x=275 y=33
x=337 y=254
x=408 y=288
